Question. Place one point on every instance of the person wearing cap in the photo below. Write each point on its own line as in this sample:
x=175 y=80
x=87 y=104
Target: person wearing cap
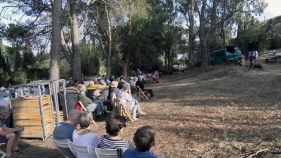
x=113 y=89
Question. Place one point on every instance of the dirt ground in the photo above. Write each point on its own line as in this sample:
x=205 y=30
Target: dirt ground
x=226 y=112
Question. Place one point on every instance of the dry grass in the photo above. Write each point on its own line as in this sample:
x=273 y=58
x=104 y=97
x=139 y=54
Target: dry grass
x=226 y=112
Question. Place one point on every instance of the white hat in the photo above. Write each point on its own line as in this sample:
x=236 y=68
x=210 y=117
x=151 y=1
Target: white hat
x=2 y=88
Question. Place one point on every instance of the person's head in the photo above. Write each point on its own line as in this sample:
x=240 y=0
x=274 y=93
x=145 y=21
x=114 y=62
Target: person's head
x=2 y=89
x=91 y=83
x=100 y=88
x=102 y=82
x=115 y=125
x=140 y=78
x=85 y=119
x=114 y=84
x=81 y=87
x=120 y=85
x=126 y=86
x=135 y=79
x=73 y=116
x=4 y=109
x=144 y=138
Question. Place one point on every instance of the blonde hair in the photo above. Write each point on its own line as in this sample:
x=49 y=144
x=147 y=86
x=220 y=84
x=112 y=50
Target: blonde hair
x=91 y=83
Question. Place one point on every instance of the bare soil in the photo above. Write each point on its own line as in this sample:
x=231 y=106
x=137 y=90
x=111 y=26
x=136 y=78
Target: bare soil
x=226 y=112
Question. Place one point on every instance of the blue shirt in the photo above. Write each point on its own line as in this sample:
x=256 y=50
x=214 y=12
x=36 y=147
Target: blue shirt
x=133 y=153
x=64 y=130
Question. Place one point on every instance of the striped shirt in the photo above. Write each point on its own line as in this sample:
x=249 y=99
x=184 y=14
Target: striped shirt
x=106 y=143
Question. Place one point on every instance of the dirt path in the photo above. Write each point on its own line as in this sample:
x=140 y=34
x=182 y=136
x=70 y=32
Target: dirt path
x=226 y=112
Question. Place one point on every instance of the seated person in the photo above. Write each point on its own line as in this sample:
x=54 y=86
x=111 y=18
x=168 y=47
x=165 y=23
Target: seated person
x=96 y=106
x=64 y=130
x=141 y=85
x=131 y=104
x=115 y=127
x=10 y=136
x=132 y=82
x=84 y=136
x=113 y=89
x=90 y=89
x=144 y=139
x=99 y=97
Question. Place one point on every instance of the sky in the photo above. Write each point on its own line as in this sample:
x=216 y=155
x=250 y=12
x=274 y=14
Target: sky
x=273 y=9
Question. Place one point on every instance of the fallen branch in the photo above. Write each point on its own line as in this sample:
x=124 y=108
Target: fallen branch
x=257 y=146
x=263 y=150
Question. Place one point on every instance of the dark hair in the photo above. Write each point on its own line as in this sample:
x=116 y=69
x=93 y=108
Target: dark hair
x=144 y=138
x=120 y=85
x=115 y=124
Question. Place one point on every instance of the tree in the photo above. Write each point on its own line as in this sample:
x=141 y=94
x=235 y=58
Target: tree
x=56 y=39
x=187 y=8
x=213 y=14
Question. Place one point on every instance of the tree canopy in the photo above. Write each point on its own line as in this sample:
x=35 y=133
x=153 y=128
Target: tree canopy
x=94 y=36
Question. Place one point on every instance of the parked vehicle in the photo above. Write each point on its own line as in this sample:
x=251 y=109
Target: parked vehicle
x=229 y=55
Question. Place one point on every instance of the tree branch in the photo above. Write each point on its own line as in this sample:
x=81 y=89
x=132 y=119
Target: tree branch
x=89 y=2
x=65 y=49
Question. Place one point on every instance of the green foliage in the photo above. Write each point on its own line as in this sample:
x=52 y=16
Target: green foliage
x=64 y=69
x=275 y=37
x=252 y=34
x=91 y=56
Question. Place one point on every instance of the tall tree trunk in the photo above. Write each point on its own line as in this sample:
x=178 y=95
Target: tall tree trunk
x=204 y=52
x=191 y=36
x=203 y=35
x=125 y=69
x=75 y=36
x=165 y=60
x=125 y=65
x=56 y=39
x=108 y=62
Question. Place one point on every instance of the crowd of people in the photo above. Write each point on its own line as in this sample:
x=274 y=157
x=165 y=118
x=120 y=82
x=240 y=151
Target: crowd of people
x=144 y=137
x=95 y=94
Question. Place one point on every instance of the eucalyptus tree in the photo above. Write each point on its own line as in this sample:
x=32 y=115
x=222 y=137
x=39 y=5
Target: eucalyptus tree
x=135 y=15
x=215 y=13
x=38 y=19
x=56 y=39
x=104 y=19
x=75 y=15
x=187 y=8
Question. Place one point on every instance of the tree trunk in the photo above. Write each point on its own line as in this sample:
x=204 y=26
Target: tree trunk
x=108 y=63
x=191 y=36
x=204 y=53
x=108 y=67
x=125 y=69
x=56 y=39
x=75 y=36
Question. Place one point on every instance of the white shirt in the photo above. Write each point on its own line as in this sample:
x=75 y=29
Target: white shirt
x=89 y=139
